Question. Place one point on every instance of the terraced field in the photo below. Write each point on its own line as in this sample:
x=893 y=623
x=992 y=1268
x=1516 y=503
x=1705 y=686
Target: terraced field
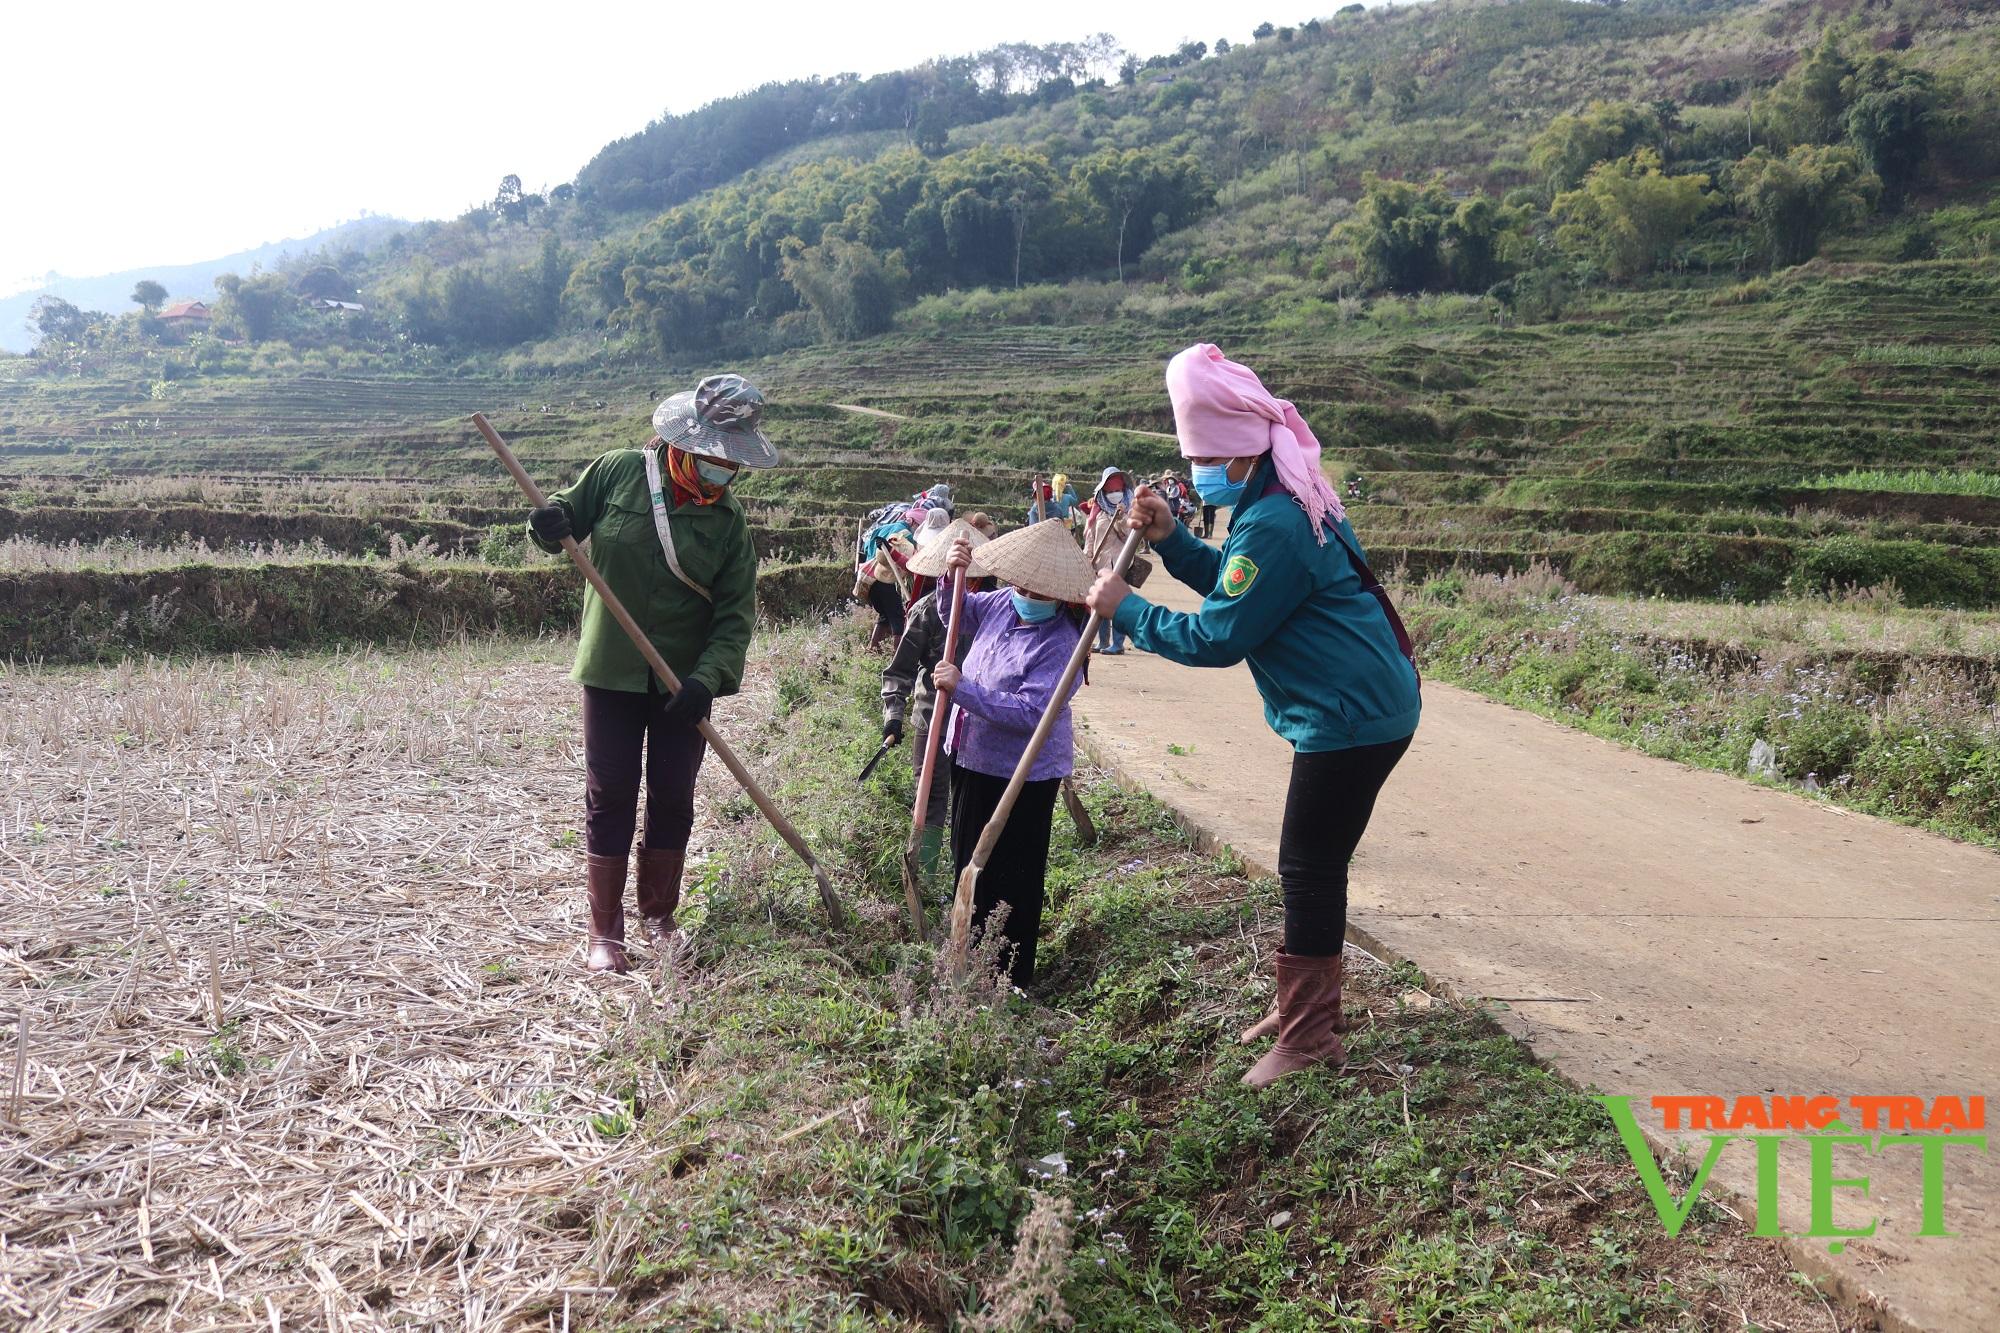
x=1666 y=442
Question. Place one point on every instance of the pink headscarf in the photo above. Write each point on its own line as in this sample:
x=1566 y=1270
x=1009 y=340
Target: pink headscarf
x=1222 y=410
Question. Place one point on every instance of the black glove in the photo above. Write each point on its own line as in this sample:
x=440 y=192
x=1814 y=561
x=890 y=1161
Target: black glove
x=689 y=706
x=550 y=522
x=892 y=731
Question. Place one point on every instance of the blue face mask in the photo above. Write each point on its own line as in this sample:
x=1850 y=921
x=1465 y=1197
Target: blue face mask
x=1032 y=611
x=1212 y=480
x=715 y=474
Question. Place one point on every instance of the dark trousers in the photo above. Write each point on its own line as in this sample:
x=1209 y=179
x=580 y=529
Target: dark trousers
x=1020 y=861
x=617 y=725
x=1332 y=795
x=1207 y=519
x=888 y=606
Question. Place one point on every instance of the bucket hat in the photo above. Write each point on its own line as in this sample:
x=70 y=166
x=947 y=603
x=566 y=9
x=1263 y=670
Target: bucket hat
x=719 y=418
x=1041 y=558
x=933 y=547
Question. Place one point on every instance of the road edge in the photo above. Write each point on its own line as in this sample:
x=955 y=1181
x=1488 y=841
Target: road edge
x=1834 y=1281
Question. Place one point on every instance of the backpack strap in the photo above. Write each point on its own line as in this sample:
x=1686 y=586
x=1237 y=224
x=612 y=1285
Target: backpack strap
x=1369 y=584
x=663 y=527
x=1373 y=586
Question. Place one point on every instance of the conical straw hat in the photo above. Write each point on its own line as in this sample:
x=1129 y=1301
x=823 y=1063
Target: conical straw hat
x=1042 y=559
x=934 y=547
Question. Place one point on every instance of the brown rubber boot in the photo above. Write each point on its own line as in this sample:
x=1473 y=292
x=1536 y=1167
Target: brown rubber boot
x=1267 y=1026
x=1308 y=1019
x=660 y=893
x=607 y=913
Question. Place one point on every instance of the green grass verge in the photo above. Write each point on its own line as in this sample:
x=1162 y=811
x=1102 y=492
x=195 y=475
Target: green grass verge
x=855 y=1145
x=1909 y=734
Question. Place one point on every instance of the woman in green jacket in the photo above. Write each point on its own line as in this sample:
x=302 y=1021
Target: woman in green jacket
x=1289 y=592
x=672 y=543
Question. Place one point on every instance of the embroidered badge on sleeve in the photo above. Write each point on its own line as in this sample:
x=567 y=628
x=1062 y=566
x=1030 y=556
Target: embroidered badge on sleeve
x=1238 y=575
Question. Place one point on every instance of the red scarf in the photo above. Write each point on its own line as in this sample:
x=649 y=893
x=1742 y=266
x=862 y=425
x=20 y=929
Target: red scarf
x=688 y=487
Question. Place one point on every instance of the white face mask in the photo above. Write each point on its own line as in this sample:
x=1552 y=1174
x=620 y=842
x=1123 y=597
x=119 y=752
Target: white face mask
x=715 y=474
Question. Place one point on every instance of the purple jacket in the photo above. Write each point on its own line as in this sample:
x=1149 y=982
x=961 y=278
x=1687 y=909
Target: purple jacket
x=1008 y=678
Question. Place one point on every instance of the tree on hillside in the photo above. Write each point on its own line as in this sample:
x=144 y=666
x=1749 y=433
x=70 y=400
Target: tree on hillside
x=1398 y=230
x=253 y=305
x=1798 y=198
x=932 y=129
x=512 y=203
x=550 y=276
x=1810 y=103
x=324 y=282
x=1263 y=30
x=1471 y=243
x=850 y=290
x=1291 y=114
x=1147 y=184
x=988 y=196
x=58 y=321
x=1628 y=212
x=1029 y=193
x=1565 y=152
x=1413 y=238
x=1888 y=119
x=148 y=295
x=1361 y=88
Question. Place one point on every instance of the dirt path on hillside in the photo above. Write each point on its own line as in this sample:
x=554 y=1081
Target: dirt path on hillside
x=1652 y=929
x=859 y=410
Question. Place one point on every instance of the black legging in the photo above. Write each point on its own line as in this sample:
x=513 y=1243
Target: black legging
x=1015 y=872
x=887 y=601
x=616 y=724
x=1332 y=794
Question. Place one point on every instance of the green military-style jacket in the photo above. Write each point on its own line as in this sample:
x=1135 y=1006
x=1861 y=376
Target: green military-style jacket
x=609 y=504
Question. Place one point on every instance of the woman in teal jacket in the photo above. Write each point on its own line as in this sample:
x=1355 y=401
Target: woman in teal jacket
x=1291 y=594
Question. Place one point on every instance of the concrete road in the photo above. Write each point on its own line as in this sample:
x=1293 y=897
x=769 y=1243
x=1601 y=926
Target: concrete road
x=1651 y=929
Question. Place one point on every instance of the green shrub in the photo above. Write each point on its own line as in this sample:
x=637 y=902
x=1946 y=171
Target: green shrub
x=1919 y=481
x=505 y=547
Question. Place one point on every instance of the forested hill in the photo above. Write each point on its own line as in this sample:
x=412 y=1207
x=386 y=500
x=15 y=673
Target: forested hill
x=195 y=281
x=1520 y=151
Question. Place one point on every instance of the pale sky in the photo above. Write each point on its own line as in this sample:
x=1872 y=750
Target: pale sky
x=136 y=134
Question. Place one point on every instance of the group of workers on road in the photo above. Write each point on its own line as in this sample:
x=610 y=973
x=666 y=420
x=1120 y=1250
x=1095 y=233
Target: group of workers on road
x=888 y=538
x=1288 y=591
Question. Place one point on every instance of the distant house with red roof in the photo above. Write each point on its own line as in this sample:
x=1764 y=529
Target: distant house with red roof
x=185 y=314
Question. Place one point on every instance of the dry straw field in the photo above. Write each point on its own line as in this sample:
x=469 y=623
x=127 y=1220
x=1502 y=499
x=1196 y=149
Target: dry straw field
x=291 y=943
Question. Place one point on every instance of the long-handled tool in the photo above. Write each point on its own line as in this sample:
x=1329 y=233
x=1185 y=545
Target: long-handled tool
x=940 y=709
x=888 y=744
x=961 y=907
x=834 y=911
x=1086 y=831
